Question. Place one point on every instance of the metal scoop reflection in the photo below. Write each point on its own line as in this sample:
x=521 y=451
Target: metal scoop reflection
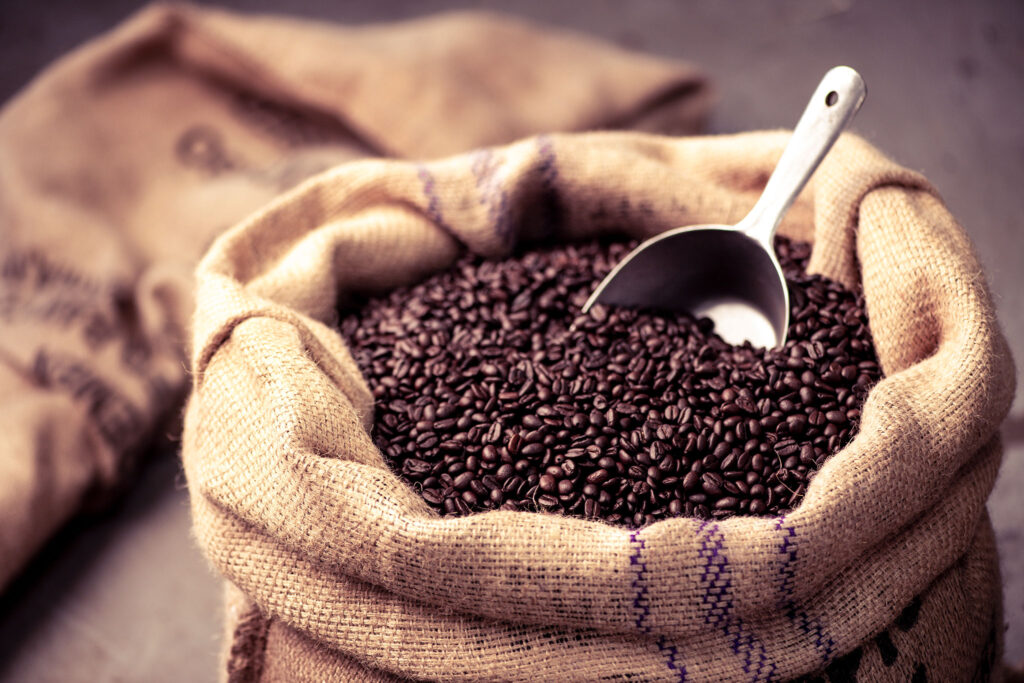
x=730 y=273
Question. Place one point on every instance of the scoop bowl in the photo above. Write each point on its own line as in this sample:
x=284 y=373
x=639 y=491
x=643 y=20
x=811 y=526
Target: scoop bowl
x=703 y=260
x=730 y=273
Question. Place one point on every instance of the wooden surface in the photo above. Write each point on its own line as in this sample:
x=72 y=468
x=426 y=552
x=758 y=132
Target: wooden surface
x=128 y=596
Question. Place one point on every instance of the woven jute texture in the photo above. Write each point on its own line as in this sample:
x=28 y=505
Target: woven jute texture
x=121 y=163
x=887 y=570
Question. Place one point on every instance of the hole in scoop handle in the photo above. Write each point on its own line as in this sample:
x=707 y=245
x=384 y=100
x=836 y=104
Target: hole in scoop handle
x=836 y=100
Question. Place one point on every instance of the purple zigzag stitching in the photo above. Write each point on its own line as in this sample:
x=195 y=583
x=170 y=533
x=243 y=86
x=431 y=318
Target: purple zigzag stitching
x=548 y=170
x=718 y=605
x=433 y=201
x=640 y=605
x=485 y=165
x=549 y=200
x=642 y=608
x=813 y=628
x=671 y=652
x=787 y=571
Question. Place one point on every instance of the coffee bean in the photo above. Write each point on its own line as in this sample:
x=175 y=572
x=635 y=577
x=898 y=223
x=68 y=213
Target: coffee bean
x=797 y=424
x=533 y=448
x=786 y=448
x=726 y=503
x=547 y=501
x=836 y=416
x=711 y=483
x=492 y=391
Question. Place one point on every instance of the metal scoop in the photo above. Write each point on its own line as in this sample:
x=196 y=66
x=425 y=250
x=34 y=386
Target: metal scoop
x=730 y=273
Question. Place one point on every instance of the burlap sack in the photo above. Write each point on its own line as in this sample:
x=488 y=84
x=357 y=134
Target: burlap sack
x=888 y=567
x=120 y=164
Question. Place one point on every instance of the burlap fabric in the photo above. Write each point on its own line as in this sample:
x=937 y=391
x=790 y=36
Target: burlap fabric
x=120 y=164
x=343 y=567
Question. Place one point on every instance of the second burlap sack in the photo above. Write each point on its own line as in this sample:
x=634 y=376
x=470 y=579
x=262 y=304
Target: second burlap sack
x=122 y=161
x=886 y=571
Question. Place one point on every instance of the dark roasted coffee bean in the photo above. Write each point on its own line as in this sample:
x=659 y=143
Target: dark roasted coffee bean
x=711 y=483
x=797 y=424
x=415 y=467
x=786 y=448
x=548 y=501
x=508 y=398
x=836 y=416
x=533 y=449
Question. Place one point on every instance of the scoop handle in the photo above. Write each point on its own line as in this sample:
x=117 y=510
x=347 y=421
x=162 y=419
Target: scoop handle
x=837 y=99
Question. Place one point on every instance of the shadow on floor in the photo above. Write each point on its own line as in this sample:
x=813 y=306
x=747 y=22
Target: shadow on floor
x=30 y=602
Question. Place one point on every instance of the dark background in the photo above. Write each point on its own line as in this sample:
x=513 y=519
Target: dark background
x=127 y=596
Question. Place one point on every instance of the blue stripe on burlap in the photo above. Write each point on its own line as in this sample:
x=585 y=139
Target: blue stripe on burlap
x=552 y=210
x=492 y=195
x=433 y=209
x=642 y=607
x=811 y=627
x=717 y=603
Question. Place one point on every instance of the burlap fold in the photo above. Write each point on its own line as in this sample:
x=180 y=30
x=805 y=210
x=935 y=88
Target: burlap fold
x=294 y=504
x=120 y=164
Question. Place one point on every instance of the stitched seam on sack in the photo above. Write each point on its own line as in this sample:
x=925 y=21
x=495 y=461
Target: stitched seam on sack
x=671 y=653
x=809 y=626
x=550 y=200
x=433 y=208
x=485 y=166
x=718 y=605
x=642 y=607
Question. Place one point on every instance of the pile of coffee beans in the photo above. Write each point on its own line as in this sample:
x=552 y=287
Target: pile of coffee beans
x=493 y=391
